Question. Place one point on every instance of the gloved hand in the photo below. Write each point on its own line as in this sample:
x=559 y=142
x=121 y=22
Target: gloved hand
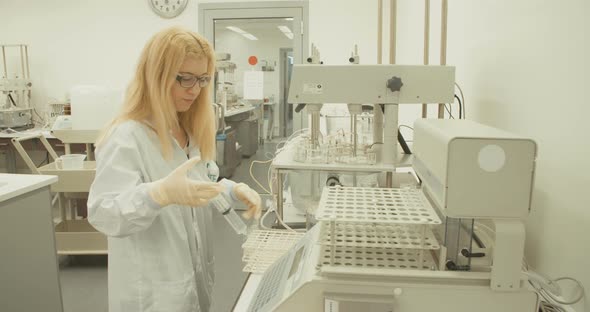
x=178 y=188
x=249 y=197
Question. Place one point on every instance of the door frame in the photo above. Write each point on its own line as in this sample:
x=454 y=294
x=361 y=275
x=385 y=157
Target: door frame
x=282 y=103
x=298 y=10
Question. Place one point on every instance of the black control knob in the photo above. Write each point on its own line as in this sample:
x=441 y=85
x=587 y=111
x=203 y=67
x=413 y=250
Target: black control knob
x=394 y=84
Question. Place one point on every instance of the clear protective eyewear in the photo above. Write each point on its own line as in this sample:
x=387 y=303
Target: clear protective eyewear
x=189 y=81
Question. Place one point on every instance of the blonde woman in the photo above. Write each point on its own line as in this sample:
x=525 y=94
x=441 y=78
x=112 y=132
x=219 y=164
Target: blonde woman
x=151 y=189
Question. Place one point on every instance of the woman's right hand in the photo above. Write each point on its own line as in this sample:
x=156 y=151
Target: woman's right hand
x=177 y=188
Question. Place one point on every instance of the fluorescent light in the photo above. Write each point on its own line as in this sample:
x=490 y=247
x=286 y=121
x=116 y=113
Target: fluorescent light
x=250 y=36
x=284 y=29
x=236 y=29
x=288 y=18
x=241 y=32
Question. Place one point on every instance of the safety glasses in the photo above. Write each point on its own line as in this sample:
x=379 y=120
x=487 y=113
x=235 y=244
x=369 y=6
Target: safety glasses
x=189 y=81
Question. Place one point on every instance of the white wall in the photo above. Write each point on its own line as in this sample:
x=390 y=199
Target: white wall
x=523 y=66
x=74 y=42
x=99 y=42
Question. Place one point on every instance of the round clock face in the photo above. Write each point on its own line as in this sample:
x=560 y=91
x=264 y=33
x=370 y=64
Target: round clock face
x=168 y=8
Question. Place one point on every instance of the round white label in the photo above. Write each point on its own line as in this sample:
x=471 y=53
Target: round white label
x=491 y=158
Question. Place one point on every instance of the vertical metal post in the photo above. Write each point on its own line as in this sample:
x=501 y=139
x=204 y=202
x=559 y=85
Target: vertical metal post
x=279 y=194
x=353 y=137
x=426 y=45
x=379 y=31
x=443 y=46
x=62 y=207
x=4 y=61
x=28 y=73
x=377 y=113
x=22 y=60
x=389 y=152
x=392 y=31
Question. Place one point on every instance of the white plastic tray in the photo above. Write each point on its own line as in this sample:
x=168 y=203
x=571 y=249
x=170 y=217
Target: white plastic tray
x=379 y=205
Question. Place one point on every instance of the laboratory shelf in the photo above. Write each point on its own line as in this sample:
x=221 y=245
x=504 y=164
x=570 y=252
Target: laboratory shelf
x=263 y=247
x=378 y=205
x=378 y=236
x=375 y=258
x=69 y=136
x=78 y=237
x=76 y=180
x=285 y=161
x=73 y=235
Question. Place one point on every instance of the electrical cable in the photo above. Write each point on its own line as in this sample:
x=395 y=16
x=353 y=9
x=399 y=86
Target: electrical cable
x=545 y=287
x=462 y=98
x=551 y=291
x=460 y=107
x=12 y=100
x=478 y=241
x=269 y=191
x=449 y=111
x=254 y=178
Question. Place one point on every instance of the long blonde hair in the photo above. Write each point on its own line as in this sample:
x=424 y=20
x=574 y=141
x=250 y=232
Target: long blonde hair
x=149 y=95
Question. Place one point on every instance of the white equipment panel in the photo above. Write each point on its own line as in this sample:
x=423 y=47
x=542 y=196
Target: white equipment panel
x=474 y=171
x=360 y=84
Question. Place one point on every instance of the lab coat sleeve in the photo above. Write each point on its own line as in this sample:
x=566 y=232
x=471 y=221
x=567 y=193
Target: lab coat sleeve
x=119 y=203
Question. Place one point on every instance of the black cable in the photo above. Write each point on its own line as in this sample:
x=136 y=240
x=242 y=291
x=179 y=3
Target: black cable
x=468 y=254
x=449 y=111
x=403 y=144
x=11 y=99
x=461 y=114
x=478 y=241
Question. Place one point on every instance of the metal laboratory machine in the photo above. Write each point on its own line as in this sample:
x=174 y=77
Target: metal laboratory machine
x=354 y=85
x=15 y=88
x=419 y=249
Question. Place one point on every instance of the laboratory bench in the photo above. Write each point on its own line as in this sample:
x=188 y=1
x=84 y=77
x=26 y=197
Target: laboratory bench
x=11 y=154
x=29 y=260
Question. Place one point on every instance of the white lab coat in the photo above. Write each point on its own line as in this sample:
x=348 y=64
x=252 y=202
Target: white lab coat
x=160 y=258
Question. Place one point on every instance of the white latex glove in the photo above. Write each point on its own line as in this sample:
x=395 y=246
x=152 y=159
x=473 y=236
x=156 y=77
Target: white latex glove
x=249 y=197
x=178 y=188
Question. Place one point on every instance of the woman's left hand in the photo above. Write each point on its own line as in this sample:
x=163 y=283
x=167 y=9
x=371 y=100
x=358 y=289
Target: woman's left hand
x=249 y=197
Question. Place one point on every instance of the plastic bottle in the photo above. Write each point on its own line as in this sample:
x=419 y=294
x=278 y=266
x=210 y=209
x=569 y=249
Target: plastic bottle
x=230 y=215
x=223 y=205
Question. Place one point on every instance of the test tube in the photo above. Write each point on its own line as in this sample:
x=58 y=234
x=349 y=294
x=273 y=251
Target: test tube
x=230 y=215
